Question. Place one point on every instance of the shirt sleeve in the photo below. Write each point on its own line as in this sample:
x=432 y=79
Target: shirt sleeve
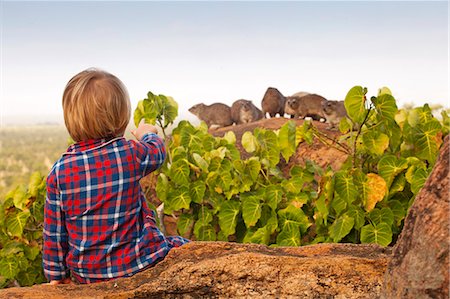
x=55 y=245
x=150 y=153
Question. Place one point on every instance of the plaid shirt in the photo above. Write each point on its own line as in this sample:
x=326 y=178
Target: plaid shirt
x=97 y=224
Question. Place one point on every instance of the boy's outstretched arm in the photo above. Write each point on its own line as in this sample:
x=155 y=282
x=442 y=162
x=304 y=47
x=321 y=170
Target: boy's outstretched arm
x=150 y=151
x=55 y=234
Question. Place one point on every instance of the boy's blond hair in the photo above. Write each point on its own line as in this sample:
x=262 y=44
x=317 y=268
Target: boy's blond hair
x=96 y=105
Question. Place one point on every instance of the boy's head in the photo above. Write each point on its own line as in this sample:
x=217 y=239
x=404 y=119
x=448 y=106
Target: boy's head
x=96 y=105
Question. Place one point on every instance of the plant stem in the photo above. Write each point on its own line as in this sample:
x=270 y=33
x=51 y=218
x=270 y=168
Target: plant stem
x=358 y=133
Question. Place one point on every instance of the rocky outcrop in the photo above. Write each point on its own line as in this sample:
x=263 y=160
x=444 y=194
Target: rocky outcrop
x=420 y=267
x=218 y=269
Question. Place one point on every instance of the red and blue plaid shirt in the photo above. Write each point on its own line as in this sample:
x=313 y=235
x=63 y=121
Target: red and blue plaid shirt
x=97 y=224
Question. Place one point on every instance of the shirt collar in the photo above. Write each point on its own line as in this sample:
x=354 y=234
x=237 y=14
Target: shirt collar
x=85 y=145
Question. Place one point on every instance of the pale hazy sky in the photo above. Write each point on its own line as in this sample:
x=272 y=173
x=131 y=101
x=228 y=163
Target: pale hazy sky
x=223 y=51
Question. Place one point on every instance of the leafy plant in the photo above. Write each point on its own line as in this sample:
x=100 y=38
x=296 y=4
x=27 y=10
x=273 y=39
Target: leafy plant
x=21 y=222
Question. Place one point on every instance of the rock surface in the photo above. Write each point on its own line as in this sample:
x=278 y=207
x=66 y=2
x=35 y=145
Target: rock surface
x=218 y=269
x=420 y=266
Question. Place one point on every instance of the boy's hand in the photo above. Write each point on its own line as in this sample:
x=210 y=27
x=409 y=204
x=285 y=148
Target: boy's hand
x=143 y=129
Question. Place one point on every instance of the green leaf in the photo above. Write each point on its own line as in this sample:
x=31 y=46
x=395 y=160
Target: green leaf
x=16 y=222
x=289 y=236
x=179 y=172
x=178 y=199
x=384 y=90
x=184 y=224
x=345 y=125
x=206 y=233
x=291 y=217
x=385 y=106
x=286 y=140
x=322 y=210
x=379 y=234
x=197 y=191
x=260 y=236
x=375 y=142
x=249 y=142
x=251 y=210
x=228 y=216
x=26 y=278
x=355 y=104
x=345 y=187
x=389 y=167
x=9 y=267
x=274 y=194
x=200 y=162
x=31 y=252
x=21 y=197
x=358 y=215
x=338 y=204
x=230 y=137
x=426 y=141
x=293 y=185
x=385 y=215
x=35 y=183
x=268 y=218
x=398 y=211
x=162 y=187
x=418 y=180
x=252 y=168
x=341 y=227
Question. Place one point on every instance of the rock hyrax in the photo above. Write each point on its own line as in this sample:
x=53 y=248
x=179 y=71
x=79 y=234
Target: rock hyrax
x=216 y=114
x=308 y=105
x=273 y=102
x=300 y=94
x=243 y=111
x=334 y=111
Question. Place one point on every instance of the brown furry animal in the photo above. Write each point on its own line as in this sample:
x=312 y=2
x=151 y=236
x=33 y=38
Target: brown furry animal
x=300 y=94
x=273 y=102
x=243 y=111
x=334 y=111
x=216 y=114
x=309 y=105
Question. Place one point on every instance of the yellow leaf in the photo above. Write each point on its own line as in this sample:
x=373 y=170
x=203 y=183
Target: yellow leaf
x=377 y=190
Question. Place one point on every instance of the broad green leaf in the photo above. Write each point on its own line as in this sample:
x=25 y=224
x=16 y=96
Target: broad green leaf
x=249 y=142
x=251 y=210
x=291 y=217
x=197 y=191
x=385 y=106
x=228 y=216
x=378 y=233
x=192 y=139
x=377 y=190
x=338 y=204
x=345 y=125
x=355 y=104
x=385 y=215
x=16 y=222
x=184 y=224
x=300 y=173
x=358 y=215
x=384 y=90
x=179 y=172
x=26 y=278
x=375 y=142
x=31 y=252
x=321 y=210
x=345 y=187
x=418 y=180
x=289 y=236
x=286 y=140
x=398 y=211
x=268 y=218
x=178 y=199
x=389 y=167
x=35 y=183
x=205 y=217
x=297 y=200
x=230 y=137
x=427 y=140
x=200 y=162
x=252 y=168
x=341 y=227
x=9 y=267
x=162 y=187
x=260 y=236
x=21 y=197
x=206 y=233
x=274 y=194
x=398 y=185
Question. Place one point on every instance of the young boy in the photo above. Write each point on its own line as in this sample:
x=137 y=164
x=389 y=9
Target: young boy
x=97 y=225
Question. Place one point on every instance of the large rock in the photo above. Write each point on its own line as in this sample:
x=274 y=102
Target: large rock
x=218 y=269
x=420 y=267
